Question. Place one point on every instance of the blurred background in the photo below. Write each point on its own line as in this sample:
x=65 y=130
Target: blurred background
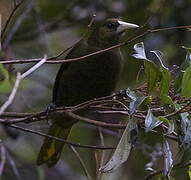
x=40 y=27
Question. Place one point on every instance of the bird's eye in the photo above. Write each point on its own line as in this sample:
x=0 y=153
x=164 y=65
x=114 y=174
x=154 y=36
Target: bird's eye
x=110 y=26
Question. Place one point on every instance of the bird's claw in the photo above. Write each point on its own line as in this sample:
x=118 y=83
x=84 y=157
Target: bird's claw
x=50 y=108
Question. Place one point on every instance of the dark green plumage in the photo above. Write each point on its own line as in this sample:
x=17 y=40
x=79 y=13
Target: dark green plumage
x=79 y=81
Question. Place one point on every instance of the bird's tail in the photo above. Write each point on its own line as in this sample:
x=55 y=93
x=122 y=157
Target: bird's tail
x=51 y=149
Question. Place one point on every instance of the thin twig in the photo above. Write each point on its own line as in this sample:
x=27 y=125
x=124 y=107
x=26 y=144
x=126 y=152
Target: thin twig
x=92 y=21
x=151 y=175
x=94 y=122
x=16 y=6
x=178 y=165
x=3 y=158
x=67 y=49
x=60 y=139
x=178 y=111
x=170 y=28
x=17 y=82
x=12 y=95
x=13 y=165
x=81 y=162
x=33 y=68
x=17 y=23
x=16 y=61
x=101 y=162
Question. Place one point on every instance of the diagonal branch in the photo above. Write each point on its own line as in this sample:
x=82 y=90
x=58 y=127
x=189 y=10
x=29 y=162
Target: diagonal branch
x=16 y=6
x=60 y=139
x=17 y=61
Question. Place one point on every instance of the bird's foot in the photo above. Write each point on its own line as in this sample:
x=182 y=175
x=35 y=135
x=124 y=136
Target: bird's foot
x=50 y=108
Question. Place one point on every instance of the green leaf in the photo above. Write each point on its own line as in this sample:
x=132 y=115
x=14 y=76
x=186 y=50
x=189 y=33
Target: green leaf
x=151 y=70
x=5 y=84
x=165 y=82
x=122 y=151
x=186 y=155
x=166 y=99
x=169 y=122
x=178 y=83
x=186 y=83
x=146 y=100
x=153 y=75
x=189 y=172
x=151 y=121
x=165 y=79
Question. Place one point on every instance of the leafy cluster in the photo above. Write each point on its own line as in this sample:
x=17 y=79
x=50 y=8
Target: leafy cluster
x=164 y=106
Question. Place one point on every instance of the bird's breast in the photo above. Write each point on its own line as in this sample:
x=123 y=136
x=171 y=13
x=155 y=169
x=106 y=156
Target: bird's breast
x=90 y=78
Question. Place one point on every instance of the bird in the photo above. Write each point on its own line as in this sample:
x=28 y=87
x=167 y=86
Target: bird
x=83 y=80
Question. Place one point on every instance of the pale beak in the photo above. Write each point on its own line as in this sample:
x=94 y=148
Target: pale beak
x=124 y=26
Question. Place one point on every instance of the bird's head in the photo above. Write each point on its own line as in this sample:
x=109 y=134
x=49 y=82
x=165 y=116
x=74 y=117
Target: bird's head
x=109 y=32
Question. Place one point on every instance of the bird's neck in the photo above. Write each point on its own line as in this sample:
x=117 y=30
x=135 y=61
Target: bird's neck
x=97 y=42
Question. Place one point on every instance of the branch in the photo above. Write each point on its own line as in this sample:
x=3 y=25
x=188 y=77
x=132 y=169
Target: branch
x=16 y=6
x=8 y=38
x=3 y=158
x=16 y=61
x=17 y=82
x=178 y=165
x=12 y=95
x=178 y=111
x=60 y=139
x=81 y=162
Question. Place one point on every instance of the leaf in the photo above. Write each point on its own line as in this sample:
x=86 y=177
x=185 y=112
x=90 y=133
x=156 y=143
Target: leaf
x=185 y=125
x=186 y=83
x=169 y=122
x=122 y=151
x=178 y=82
x=153 y=75
x=133 y=104
x=160 y=58
x=165 y=79
x=167 y=99
x=189 y=171
x=139 y=51
x=145 y=101
x=168 y=160
x=136 y=101
x=5 y=85
x=187 y=62
x=151 y=121
x=186 y=155
x=151 y=70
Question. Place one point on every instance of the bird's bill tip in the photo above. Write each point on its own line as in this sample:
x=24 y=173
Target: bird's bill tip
x=124 y=25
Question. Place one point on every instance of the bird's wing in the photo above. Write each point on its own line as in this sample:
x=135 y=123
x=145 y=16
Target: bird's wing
x=78 y=50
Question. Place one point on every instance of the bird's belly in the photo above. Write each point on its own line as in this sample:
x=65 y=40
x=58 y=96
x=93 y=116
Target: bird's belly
x=89 y=79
